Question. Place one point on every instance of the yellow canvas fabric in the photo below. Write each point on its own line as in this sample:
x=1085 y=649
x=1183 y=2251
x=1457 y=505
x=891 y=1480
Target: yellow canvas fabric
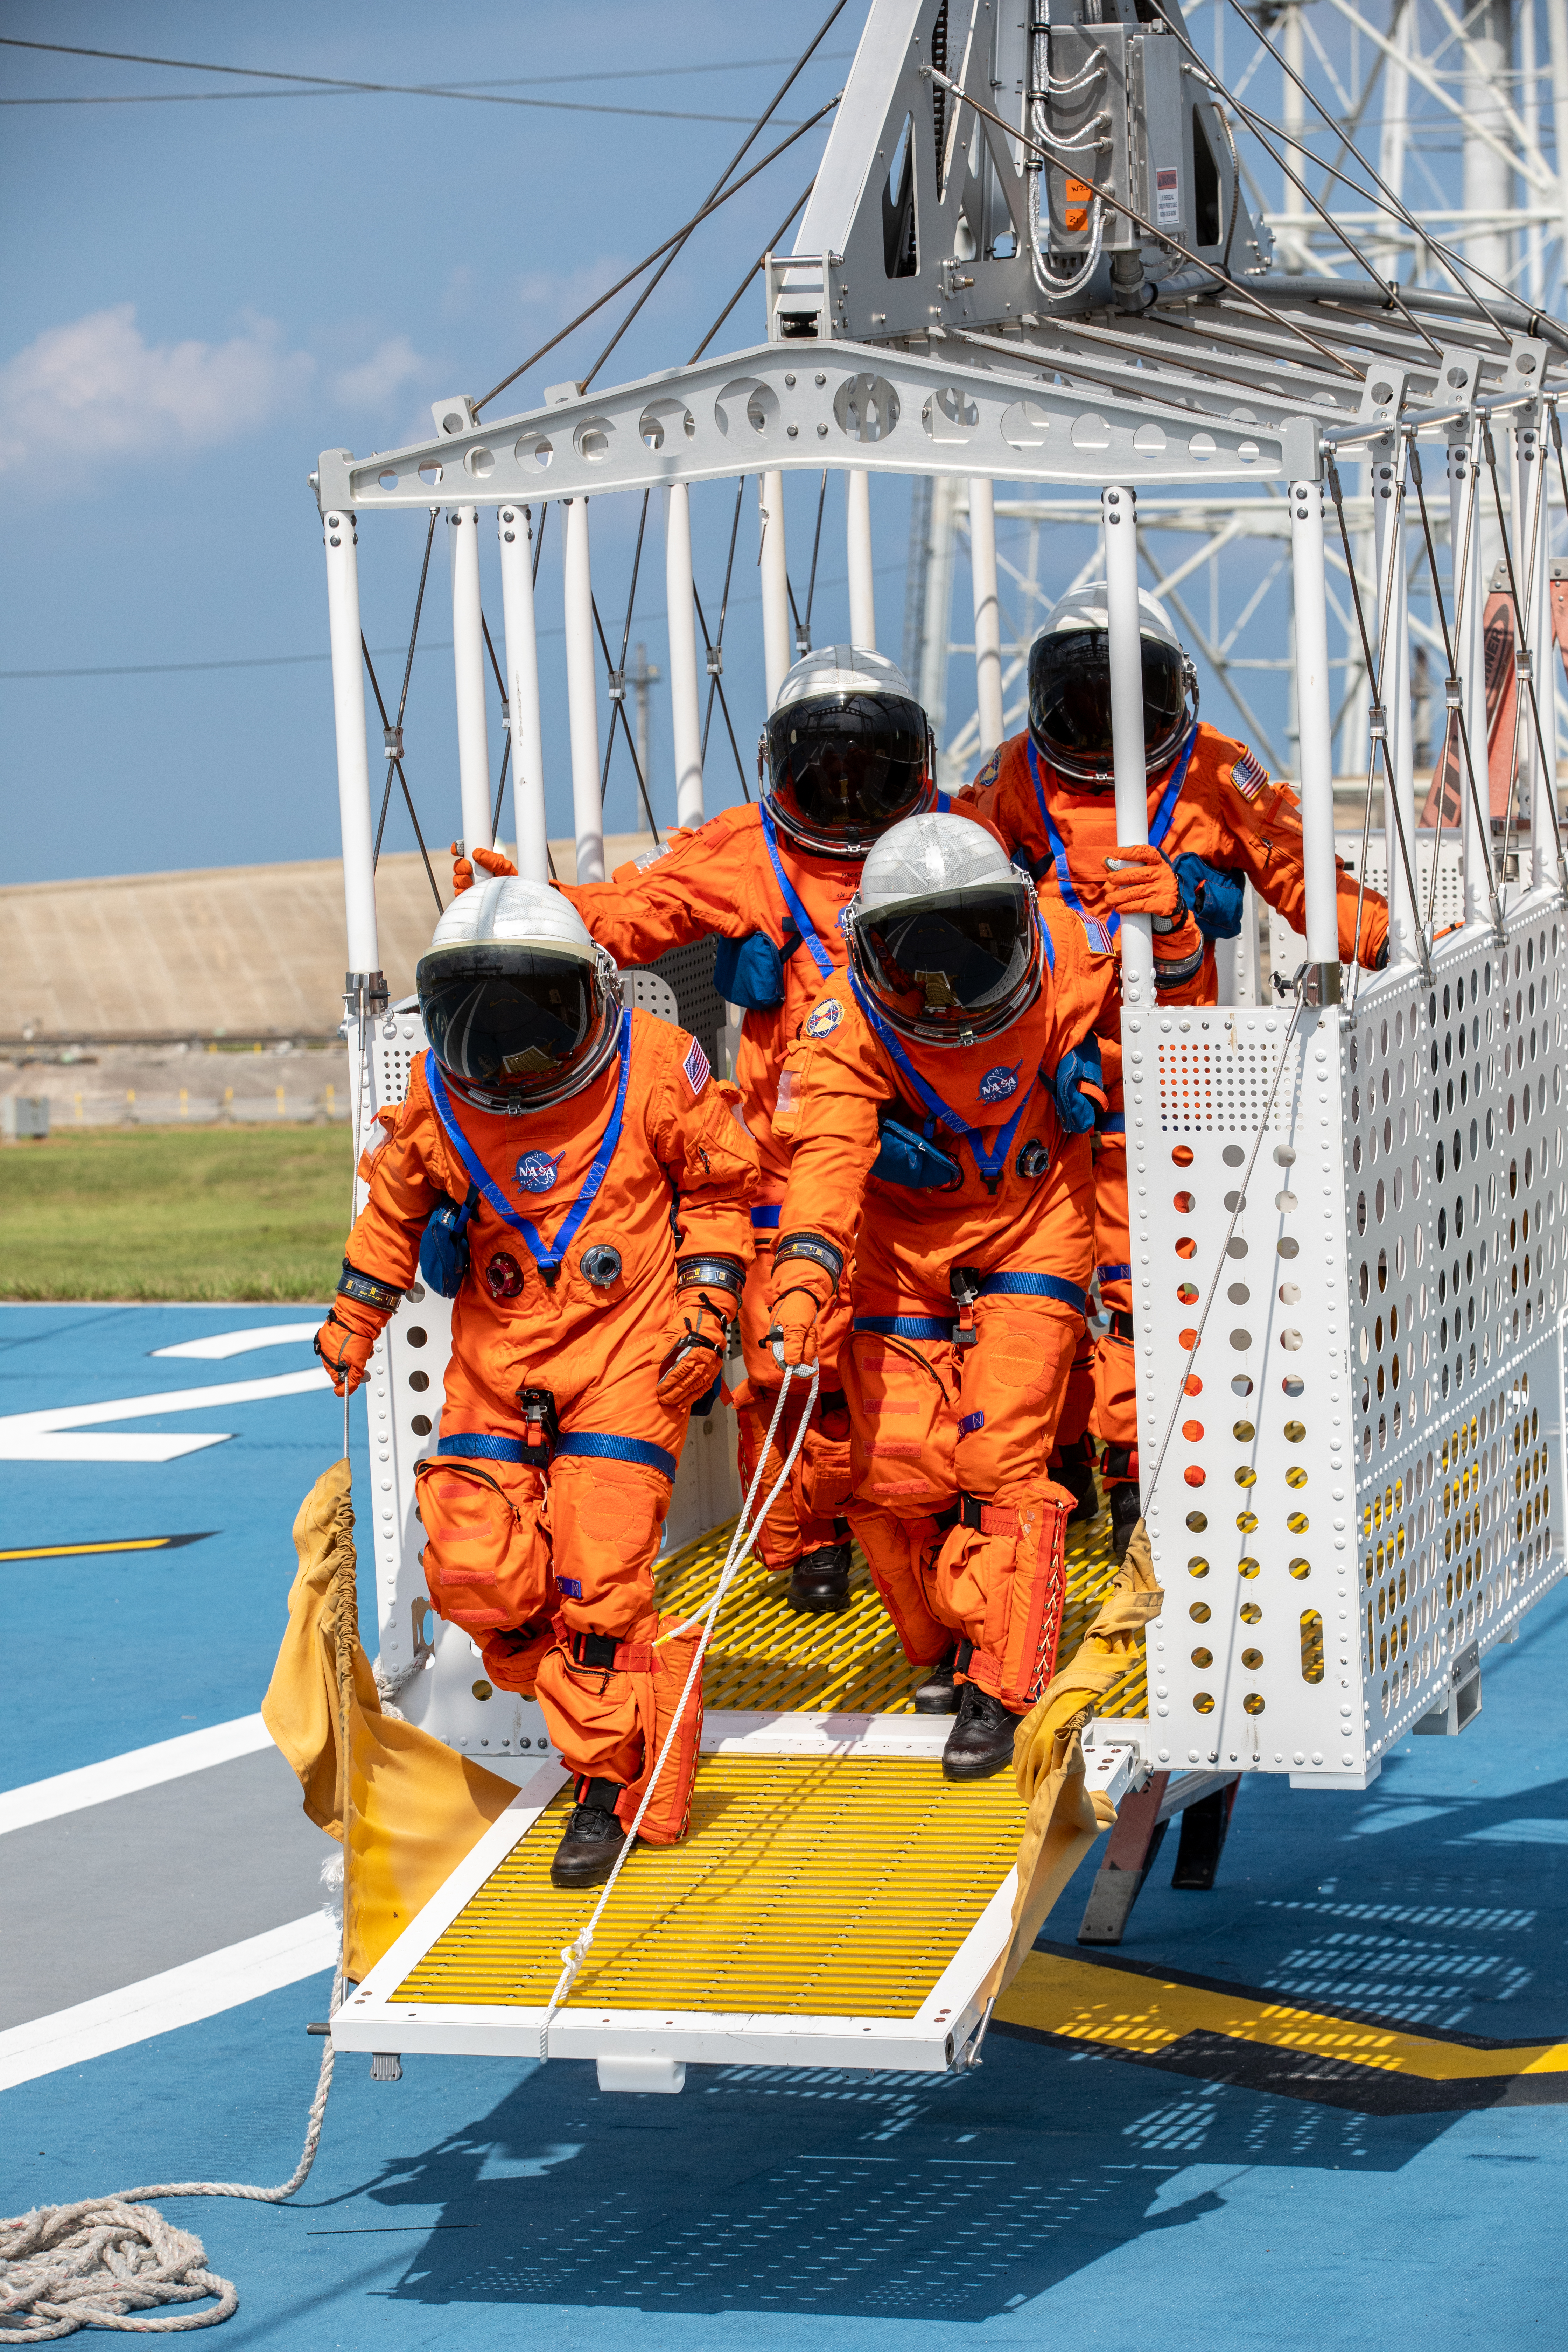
x=415 y=1809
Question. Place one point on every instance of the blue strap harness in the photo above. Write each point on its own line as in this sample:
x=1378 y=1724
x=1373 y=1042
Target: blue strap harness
x=546 y=1255
x=991 y=1164
x=793 y=902
x=1101 y=933
x=600 y=1448
x=990 y=1285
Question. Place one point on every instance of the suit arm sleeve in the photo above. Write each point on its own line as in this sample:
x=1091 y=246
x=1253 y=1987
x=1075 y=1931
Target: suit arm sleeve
x=834 y=1088
x=711 y=1162
x=700 y=887
x=1271 y=851
x=404 y=1191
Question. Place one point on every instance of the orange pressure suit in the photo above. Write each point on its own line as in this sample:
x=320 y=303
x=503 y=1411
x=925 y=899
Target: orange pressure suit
x=966 y=1307
x=1218 y=803
x=736 y=876
x=548 y=1561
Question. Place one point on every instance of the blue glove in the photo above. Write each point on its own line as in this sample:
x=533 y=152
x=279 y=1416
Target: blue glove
x=1213 y=895
x=1078 y=1085
x=749 y=973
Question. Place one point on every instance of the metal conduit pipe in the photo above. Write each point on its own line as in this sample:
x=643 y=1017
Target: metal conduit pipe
x=772 y=563
x=469 y=674
x=1543 y=802
x=857 y=529
x=1315 y=720
x=1403 y=919
x=987 y=613
x=353 y=756
x=582 y=697
x=1470 y=663
x=685 y=699
x=523 y=706
x=1120 y=520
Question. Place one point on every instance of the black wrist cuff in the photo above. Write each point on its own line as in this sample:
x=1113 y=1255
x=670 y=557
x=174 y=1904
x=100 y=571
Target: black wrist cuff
x=717 y=1272
x=812 y=1248
x=365 y=1290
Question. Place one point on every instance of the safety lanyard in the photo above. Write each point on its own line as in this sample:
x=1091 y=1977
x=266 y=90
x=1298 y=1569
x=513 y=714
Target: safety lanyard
x=989 y=1164
x=546 y=1255
x=792 y=899
x=1102 y=931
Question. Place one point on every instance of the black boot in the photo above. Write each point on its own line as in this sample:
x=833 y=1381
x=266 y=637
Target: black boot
x=1075 y=1470
x=819 y=1581
x=593 y=1837
x=1126 y=1510
x=980 y=1741
x=938 y=1693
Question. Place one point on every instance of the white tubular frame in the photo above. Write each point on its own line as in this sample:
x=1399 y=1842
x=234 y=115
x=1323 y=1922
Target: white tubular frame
x=858 y=537
x=772 y=568
x=685 y=702
x=469 y=673
x=515 y=533
x=582 y=697
x=1543 y=801
x=1119 y=517
x=988 y=612
x=339 y=539
x=1469 y=655
x=1315 y=721
x=1399 y=808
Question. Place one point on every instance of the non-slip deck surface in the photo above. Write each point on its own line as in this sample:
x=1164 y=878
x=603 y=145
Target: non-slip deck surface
x=808 y=1887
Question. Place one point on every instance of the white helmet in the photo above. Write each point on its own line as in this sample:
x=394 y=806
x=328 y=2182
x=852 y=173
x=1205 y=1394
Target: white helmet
x=846 y=752
x=1070 y=687
x=944 y=934
x=521 y=1006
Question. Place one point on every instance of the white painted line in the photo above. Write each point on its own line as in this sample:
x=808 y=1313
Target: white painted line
x=159 y=2004
x=239 y=1343
x=139 y=1767
x=36 y=1437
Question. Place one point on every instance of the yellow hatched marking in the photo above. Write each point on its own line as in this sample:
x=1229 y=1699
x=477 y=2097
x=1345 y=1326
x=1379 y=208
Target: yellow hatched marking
x=810 y=1888
x=767 y=1656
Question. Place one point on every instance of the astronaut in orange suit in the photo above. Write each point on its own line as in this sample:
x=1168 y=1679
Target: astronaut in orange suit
x=544 y=1108
x=846 y=754
x=1216 y=820
x=938 y=1099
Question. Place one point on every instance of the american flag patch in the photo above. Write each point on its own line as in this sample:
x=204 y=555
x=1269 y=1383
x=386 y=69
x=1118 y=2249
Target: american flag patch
x=1249 y=775
x=696 y=1068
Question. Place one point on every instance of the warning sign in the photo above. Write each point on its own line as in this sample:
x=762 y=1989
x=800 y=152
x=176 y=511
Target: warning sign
x=1078 y=194
x=1167 y=196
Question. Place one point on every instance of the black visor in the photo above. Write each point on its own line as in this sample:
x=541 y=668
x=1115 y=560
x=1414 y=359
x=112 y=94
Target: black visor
x=842 y=770
x=966 y=954
x=507 y=1017
x=1070 y=699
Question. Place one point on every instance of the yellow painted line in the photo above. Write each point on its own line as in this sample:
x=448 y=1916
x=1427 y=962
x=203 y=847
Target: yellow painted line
x=1146 y=2016
x=71 y=1551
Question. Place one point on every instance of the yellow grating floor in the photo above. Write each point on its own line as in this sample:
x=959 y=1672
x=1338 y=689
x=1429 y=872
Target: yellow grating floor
x=807 y=1888
x=764 y=1655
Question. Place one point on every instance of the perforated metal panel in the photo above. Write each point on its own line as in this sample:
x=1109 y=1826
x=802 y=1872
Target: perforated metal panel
x=1364 y=1487
x=1288 y=949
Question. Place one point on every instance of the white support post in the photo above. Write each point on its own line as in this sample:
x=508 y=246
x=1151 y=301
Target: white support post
x=862 y=588
x=469 y=671
x=1399 y=806
x=987 y=613
x=524 y=710
x=1120 y=520
x=1314 y=708
x=582 y=697
x=353 y=757
x=685 y=702
x=1469 y=653
x=1543 y=663
x=772 y=563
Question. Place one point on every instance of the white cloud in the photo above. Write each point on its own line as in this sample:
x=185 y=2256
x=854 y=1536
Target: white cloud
x=98 y=386
x=378 y=380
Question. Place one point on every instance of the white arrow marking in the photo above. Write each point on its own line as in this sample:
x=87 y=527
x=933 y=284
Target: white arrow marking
x=37 y=1436
x=239 y=1343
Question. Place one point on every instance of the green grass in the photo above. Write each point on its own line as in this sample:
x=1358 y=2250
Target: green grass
x=224 y=1212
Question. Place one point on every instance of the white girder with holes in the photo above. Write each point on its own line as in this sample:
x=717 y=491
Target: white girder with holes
x=1288 y=949
x=1365 y=1489
x=443 y=1692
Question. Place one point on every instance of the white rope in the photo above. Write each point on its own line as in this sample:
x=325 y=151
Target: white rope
x=574 y=1954
x=105 y=2260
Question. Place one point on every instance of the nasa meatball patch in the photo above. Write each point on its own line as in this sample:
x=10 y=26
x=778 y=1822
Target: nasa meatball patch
x=696 y=1068
x=824 y=1019
x=537 y=1171
x=989 y=773
x=998 y=1084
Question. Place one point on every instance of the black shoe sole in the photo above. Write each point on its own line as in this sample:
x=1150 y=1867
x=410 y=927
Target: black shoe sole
x=947 y=1704
x=831 y=1601
x=972 y=1767
x=592 y=1872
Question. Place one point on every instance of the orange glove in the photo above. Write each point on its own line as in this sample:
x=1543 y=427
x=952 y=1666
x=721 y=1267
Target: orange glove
x=1140 y=880
x=489 y=861
x=792 y=1335
x=696 y=1352
x=345 y=1353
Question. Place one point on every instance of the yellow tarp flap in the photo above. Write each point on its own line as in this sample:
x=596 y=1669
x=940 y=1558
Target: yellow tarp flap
x=1047 y=1756
x=415 y=1808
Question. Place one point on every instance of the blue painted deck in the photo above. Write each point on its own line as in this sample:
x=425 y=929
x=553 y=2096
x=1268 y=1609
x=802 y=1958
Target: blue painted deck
x=1054 y=2197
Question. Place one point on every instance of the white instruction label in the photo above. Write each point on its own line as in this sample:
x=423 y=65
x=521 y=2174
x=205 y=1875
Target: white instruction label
x=1167 y=196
